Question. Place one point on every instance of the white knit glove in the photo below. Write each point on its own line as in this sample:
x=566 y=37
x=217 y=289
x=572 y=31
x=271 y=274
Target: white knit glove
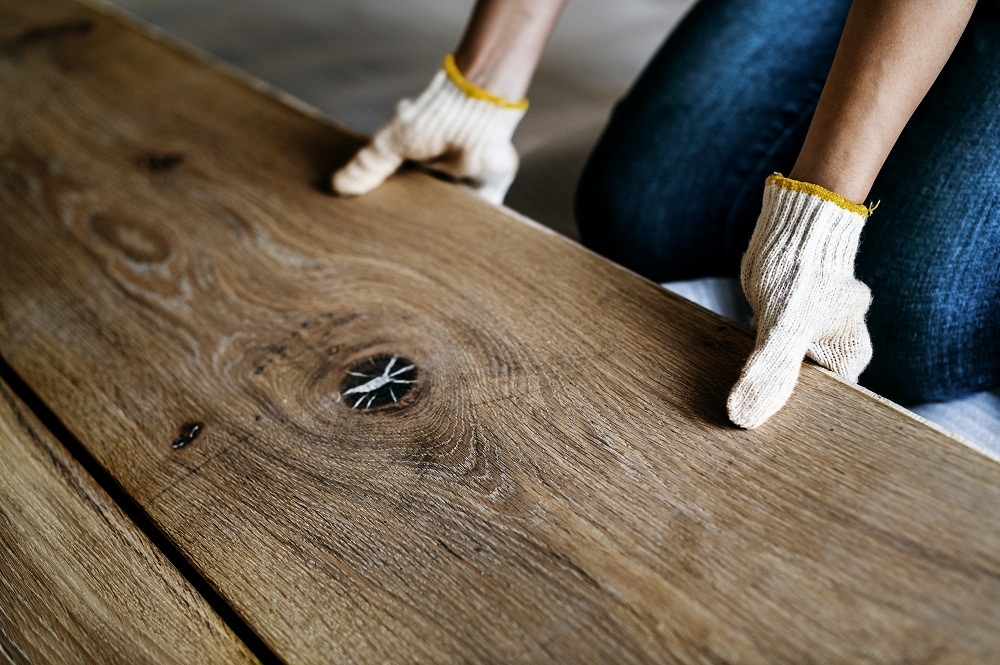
x=454 y=127
x=798 y=274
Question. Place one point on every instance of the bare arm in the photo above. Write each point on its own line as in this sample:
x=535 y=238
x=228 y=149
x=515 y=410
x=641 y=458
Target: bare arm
x=890 y=53
x=503 y=43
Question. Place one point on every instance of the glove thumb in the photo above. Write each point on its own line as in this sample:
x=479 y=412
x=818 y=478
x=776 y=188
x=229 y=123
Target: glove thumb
x=368 y=169
x=768 y=377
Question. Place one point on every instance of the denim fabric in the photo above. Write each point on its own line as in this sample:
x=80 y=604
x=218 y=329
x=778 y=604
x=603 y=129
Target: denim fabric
x=674 y=185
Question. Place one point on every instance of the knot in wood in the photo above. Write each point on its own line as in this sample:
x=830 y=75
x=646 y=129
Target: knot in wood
x=377 y=381
x=160 y=161
x=188 y=433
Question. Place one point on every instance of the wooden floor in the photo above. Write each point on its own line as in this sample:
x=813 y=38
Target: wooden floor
x=79 y=582
x=407 y=427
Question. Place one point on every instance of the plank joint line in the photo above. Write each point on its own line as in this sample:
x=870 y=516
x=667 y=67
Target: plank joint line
x=138 y=516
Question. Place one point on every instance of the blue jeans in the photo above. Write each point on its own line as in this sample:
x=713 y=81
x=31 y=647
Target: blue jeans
x=674 y=186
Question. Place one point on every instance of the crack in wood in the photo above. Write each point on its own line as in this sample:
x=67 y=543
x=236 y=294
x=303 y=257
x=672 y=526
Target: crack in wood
x=379 y=380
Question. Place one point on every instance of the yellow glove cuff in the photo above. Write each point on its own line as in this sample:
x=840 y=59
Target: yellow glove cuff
x=474 y=91
x=781 y=181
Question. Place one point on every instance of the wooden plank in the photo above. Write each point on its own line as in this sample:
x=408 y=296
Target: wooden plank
x=79 y=583
x=559 y=483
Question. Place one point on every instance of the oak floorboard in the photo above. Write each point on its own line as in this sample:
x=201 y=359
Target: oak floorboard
x=559 y=481
x=79 y=583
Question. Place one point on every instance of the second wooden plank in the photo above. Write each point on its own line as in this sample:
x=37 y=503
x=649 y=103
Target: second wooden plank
x=79 y=583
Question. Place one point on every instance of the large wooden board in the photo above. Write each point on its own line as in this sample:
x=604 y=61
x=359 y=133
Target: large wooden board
x=559 y=482
x=79 y=583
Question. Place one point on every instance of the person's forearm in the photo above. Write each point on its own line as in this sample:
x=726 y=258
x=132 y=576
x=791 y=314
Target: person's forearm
x=503 y=43
x=890 y=53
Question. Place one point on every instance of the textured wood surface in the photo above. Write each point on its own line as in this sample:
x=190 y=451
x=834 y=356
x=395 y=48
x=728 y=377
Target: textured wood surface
x=79 y=583
x=559 y=482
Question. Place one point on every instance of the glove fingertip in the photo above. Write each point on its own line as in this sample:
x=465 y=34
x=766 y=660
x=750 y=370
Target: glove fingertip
x=765 y=384
x=494 y=192
x=369 y=169
x=746 y=409
x=347 y=182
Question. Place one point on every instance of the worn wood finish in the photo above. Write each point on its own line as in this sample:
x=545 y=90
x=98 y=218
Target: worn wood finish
x=559 y=483
x=79 y=583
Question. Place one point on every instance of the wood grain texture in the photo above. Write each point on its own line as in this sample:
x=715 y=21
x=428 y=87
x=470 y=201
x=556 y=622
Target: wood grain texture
x=559 y=483
x=79 y=583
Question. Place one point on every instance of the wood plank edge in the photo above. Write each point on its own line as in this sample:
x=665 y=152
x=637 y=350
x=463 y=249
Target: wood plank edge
x=940 y=429
x=807 y=364
x=136 y=514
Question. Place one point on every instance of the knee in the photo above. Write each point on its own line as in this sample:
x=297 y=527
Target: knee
x=625 y=209
x=608 y=215
x=932 y=346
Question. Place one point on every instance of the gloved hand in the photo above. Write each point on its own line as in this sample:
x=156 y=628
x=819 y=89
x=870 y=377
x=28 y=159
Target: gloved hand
x=798 y=274
x=454 y=127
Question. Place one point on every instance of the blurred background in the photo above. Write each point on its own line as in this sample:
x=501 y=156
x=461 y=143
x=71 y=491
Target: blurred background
x=354 y=59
